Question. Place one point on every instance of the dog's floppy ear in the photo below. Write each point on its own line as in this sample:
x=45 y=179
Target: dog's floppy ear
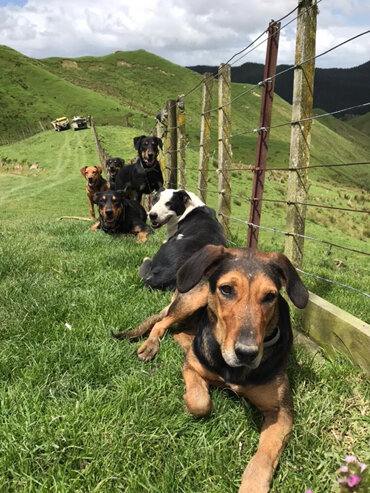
x=183 y=195
x=99 y=169
x=137 y=141
x=83 y=170
x=122 y=195
x=295 y=288
x=197 y=266
x=158 y=141
x=96 y=197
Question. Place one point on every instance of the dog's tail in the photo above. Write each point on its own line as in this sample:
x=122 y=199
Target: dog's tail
x=141 y=329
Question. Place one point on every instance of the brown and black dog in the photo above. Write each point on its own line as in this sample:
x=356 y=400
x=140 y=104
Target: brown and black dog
x=120 y=215
x=144 y=175
x=113 y=165
x=95 y=183
x=238 y=335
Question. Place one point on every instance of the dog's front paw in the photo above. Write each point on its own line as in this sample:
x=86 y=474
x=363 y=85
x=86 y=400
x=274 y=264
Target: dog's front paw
x=142 y=237
x=148 y=349
x=95 y=226
x=199 y=405
x=256 y=477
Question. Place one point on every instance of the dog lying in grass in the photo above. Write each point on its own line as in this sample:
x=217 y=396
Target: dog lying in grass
x=236 y=334
x=95 y=183
x=190 y=226
x=120 y=215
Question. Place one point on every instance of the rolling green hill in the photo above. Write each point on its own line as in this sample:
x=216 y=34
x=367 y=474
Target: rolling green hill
x=29 y=94
x=129 y=89
x=361 y=123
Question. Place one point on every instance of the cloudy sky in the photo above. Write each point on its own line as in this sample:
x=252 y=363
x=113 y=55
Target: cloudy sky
x=186 y=32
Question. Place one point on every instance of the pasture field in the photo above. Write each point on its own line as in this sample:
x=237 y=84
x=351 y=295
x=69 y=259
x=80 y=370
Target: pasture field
x=79 y=411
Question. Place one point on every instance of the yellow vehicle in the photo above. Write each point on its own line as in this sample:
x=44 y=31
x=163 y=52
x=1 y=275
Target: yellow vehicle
x=61 y=123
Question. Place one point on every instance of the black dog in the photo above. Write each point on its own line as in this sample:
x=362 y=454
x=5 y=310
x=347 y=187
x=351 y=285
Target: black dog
x=120 y=215
x=144 y=175
x=197 y=226
x=113 y=165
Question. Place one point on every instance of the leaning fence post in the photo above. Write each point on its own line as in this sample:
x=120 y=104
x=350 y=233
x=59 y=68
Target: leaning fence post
x=205 y=136
x=224 y=147
x=171 y=148
x=264 y=133
x=181 y=142
x=300 y=137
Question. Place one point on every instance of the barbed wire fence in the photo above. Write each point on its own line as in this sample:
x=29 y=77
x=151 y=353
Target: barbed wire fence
x=297 y=201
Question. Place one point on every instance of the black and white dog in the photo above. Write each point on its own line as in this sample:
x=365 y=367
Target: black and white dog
x=144 y=175
x=190 y=226
x=170 y=206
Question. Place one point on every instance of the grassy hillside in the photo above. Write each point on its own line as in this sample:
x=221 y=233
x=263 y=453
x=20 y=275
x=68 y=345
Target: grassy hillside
x=129 y=88
x=29 y=93
x=79 y=411
x=361 y=123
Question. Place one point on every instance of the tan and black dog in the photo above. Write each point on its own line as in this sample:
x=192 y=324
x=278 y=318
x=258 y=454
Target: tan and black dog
x=144 y=175
x=120 y=215
x=237 y=335
x=113 y=165
x=95 y=183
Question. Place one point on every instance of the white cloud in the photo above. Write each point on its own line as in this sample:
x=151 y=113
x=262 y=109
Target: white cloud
x=187 y=33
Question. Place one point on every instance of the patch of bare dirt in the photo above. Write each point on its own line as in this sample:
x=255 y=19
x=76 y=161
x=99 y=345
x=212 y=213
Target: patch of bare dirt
x=69 y=64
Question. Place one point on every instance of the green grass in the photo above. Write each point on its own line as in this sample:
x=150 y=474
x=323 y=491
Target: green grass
x=79 y=411
x=361 y=123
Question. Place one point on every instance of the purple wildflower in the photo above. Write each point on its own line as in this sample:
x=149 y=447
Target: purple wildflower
x=351 y=458
x=353 y=480
x=362 y=466
x=343 y=469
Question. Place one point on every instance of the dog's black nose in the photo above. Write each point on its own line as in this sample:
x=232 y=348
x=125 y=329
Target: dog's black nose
x=153 y=216
x=108 y=212
x=247 y=354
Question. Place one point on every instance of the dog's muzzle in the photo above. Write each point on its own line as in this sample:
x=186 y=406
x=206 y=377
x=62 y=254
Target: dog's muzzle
x=153 y=216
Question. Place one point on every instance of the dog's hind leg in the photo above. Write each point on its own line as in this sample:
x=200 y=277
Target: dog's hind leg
x=145 y=268
x=143 y=328
x=274 y=401
x=183 y=305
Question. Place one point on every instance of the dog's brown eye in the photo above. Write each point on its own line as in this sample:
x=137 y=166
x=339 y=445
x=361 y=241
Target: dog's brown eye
x=226 y=290
x=269 y=297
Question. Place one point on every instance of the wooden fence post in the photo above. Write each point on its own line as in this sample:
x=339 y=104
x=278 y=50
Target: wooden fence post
x=171 y=148
x=205 y=136
x=160 y=131
x=101 y=153
x=224 y=147
x=300 y=137
x=181 y=142
x=264 y=133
